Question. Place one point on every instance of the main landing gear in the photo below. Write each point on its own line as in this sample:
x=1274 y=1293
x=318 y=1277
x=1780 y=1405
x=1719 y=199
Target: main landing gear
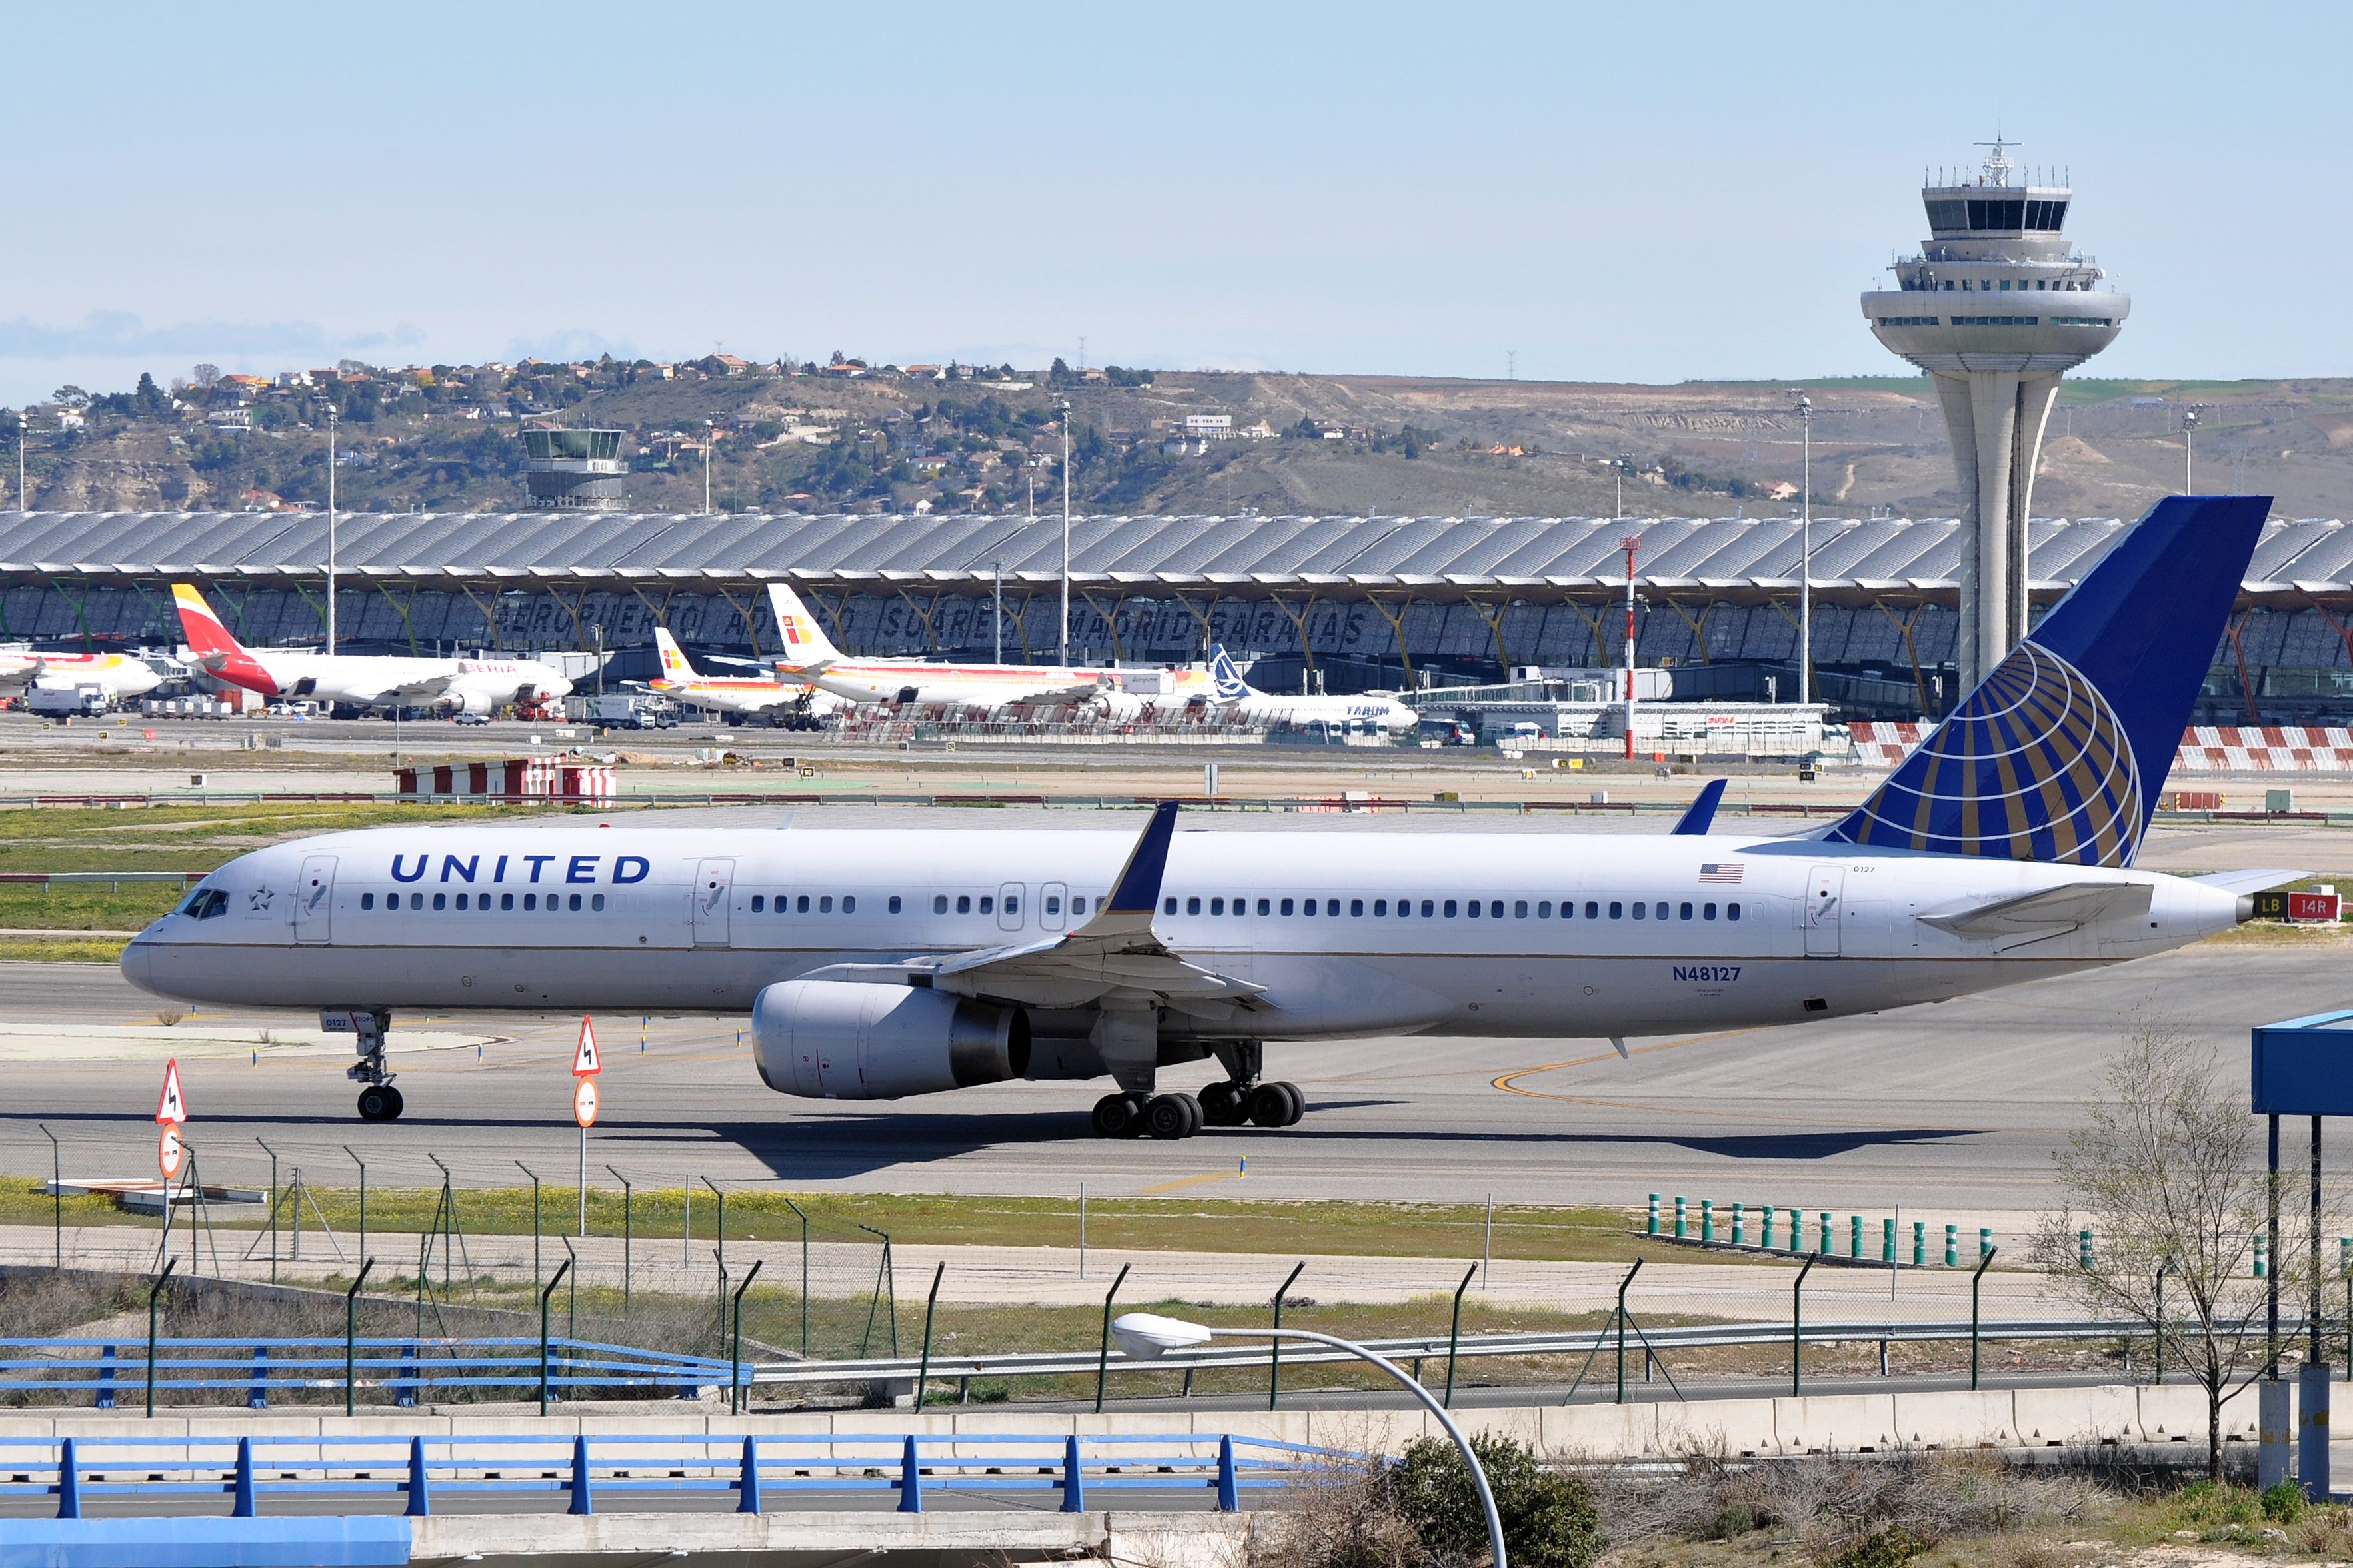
x=379 y=1102
x=1270 y=1103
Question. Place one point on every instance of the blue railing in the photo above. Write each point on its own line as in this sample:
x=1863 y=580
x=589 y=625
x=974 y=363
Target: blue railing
x=261 y=1368
x=755 y=1469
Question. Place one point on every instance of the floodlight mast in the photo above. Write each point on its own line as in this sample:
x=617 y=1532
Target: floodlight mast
x=1146 y=1336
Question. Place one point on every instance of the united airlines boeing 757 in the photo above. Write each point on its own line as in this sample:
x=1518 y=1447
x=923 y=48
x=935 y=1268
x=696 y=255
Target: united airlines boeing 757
x=876 y=964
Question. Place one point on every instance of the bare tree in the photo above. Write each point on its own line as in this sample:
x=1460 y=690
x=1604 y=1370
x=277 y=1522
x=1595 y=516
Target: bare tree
x=2164 y=1172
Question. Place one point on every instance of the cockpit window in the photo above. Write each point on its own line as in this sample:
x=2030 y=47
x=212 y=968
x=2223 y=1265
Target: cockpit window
x=206 y=903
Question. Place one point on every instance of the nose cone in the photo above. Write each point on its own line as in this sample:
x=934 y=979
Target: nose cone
x=138 y=964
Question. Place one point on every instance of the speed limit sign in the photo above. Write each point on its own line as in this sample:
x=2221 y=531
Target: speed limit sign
x=584 y=1102
x=170 y=1152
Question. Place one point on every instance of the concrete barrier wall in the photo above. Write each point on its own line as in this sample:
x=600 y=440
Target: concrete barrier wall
x=2027 y=1417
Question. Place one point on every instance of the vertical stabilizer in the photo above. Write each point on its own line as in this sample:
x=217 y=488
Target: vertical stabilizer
x=806 y=646
x=1226 y=682
x=2059 y=753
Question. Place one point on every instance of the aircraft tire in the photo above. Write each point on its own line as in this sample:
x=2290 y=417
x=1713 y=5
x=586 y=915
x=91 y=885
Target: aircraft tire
x=398 y=1104
x=1298 y=1103
x=375 y=1103
x=1270 y=1107
x=1225 y=1104
x=1118 y=1116
x=1172 y=1116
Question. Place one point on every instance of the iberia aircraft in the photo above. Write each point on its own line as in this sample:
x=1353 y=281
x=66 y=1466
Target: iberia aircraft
x=731 y=693
x=876 y=963
x=810 y=654
x=363 y=680
x=119 y=675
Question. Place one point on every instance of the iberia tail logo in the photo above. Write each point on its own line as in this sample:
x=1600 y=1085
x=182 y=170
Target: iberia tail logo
x=220 y=654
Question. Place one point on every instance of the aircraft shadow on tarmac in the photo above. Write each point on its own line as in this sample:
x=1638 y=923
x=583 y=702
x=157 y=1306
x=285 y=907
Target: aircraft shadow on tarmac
x=839 y=1146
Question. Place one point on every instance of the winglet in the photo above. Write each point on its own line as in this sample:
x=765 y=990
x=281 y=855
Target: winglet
x=1702 y=812
x=1138 y=888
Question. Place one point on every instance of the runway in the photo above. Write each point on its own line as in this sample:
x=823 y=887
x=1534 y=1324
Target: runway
x=1951 y=1110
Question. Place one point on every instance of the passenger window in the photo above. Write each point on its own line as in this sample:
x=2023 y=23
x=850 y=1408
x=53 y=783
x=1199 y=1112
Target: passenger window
x=988 y=903
x=1496 y=910
x=1475 y=909
x=1380 y=906
x=1662 y=909
x=802 y=904
x=964 y=903
x=531 y=900
x=1685 y=912
x=1286 y=906
x=1192 y=906
x=1241 y=906
x=1520 y=910
x=1217 y=906
x=939 y=903
x=759 y=903
x=1429 y=906
x=440 y=900
x=1707 y=911
x=1450 y=909
x=1356 y=906
x=1012 y=904
x=1053 y=904
x=596 y=900
x=1078 y=904
x=849 y=903
x=893 y=905
x=506 y=901
x=1308 y=908
x=461 y=900
x=1616 y=909
x=1544 y=909
x=574 y=903
x=367 y=901
x=1732 y=911
x=825 y=905
x=1641 y=909
x=1168 y=906
x=1262 y=907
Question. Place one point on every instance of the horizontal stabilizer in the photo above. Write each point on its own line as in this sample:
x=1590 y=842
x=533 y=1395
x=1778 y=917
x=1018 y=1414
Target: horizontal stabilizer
x=1701 y=815
x=2255 y=881
x=2047 y=912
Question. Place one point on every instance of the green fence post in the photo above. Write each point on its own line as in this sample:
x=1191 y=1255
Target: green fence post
x=1829 y=1239
x=1887 y=1241
x=1976 y=1280
x=2084 y=1249
x=157 y=1290
x=1952 y=1247
x=1984 y=1241
x=1653 y=1227
x=1707 y=1219
x=1274 y=1356
x=1453 y=1334
x=1740 y=1225
x=1798 y=1329
x=1622 y=1285
x=2262 y=1271
x=1102 y=1357
x=1919 y=1244
x=1854 y=1235
x=1682 y=1227
x=1769 y=1228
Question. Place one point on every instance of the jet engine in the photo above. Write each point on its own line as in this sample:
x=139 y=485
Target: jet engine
x=1117 y=706
x=848 y=1039
x=469 y=699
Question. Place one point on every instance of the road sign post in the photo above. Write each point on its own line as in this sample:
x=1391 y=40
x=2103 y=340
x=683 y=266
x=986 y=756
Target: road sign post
x=585 y=1065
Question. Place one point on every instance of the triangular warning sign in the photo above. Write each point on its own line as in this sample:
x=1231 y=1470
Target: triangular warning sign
x=170 y=1109
x=584 y=1060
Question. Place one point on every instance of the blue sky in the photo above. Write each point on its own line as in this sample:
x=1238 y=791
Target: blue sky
x=1630 y=192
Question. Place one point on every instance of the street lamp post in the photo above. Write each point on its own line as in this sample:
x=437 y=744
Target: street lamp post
x=24 y=428
x=1806 y=552
x=1146 y=1336
x=1065 y=643
x=2188 y=449
x=330 y=529
x=708 y=437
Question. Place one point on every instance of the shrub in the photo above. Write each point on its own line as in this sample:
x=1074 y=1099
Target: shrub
x=2282 y=1502
x=1892 y=1547
x=1549 y=1520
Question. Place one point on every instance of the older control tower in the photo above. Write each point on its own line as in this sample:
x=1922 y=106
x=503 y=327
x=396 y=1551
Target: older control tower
x=1996 y=305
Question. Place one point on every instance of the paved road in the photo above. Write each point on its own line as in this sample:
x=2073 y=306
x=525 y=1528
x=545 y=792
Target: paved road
x=1950 y=1111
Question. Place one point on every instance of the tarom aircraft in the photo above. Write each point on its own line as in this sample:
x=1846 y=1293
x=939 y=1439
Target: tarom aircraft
x=731 y=693
x=119 y=675
x=363 y=680
x=877 y=963
x=1238 y=697
x=810 y=654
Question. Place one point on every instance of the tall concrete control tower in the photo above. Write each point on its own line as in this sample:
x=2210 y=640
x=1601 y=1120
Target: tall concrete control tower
x=1995 y=359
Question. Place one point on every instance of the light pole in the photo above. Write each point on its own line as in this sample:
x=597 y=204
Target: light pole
x=1146 y=1336
x=24 y=428
x=2188 y=449
x=708 y=437
x=1806 y=552
x=1064 y=645
x=330 y=529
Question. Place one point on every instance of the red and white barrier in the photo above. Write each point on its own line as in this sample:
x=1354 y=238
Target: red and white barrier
x=516 y=778
x=2205 y=749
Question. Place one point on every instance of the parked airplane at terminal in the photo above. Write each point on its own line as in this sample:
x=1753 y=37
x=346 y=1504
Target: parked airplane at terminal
x=117 y=674
x=680 y=682
x=882 y=963
x=810 y=654
x=363 y=680
x=1378 y=708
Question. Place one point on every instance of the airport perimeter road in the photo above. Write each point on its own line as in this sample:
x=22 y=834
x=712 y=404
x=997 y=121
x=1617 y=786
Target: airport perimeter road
x=1950 y=1111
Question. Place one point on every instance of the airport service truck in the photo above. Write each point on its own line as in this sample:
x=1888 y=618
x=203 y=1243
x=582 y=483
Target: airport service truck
x=67 y=701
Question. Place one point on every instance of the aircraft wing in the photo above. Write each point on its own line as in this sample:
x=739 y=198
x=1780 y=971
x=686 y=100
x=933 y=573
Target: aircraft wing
x=2046 y=912
x=1114 y=954
x=2257 y=881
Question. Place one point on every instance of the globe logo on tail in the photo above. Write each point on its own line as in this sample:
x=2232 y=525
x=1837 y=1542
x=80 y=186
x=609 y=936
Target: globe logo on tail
x=2033 y=766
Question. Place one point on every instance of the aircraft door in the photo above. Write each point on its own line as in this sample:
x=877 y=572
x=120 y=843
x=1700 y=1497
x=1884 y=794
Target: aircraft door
x=1053 y=902
x=1825 y=895
x=1008 y=907
x=314 y=900
x=714 y=888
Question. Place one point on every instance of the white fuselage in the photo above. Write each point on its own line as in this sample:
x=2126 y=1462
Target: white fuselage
x=1371 y=708
x=1662 y=933
x=986 y=685
x=118 y=675
x=371 y=681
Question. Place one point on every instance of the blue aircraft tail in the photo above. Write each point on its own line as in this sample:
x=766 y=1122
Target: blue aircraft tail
x=2059 y=754
x=1225 y=679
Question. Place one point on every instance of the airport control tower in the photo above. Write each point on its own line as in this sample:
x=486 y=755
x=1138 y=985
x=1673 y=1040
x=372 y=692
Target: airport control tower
x=1995 y=359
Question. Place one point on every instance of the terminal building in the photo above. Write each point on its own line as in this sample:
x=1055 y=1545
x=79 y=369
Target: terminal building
x=1339 y=602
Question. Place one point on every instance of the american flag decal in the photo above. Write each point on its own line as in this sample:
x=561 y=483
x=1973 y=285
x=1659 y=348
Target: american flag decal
x=1719 y=871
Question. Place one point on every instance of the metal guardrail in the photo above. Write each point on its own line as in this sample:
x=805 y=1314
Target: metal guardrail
x=109 y=1370
x=434 y=1471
